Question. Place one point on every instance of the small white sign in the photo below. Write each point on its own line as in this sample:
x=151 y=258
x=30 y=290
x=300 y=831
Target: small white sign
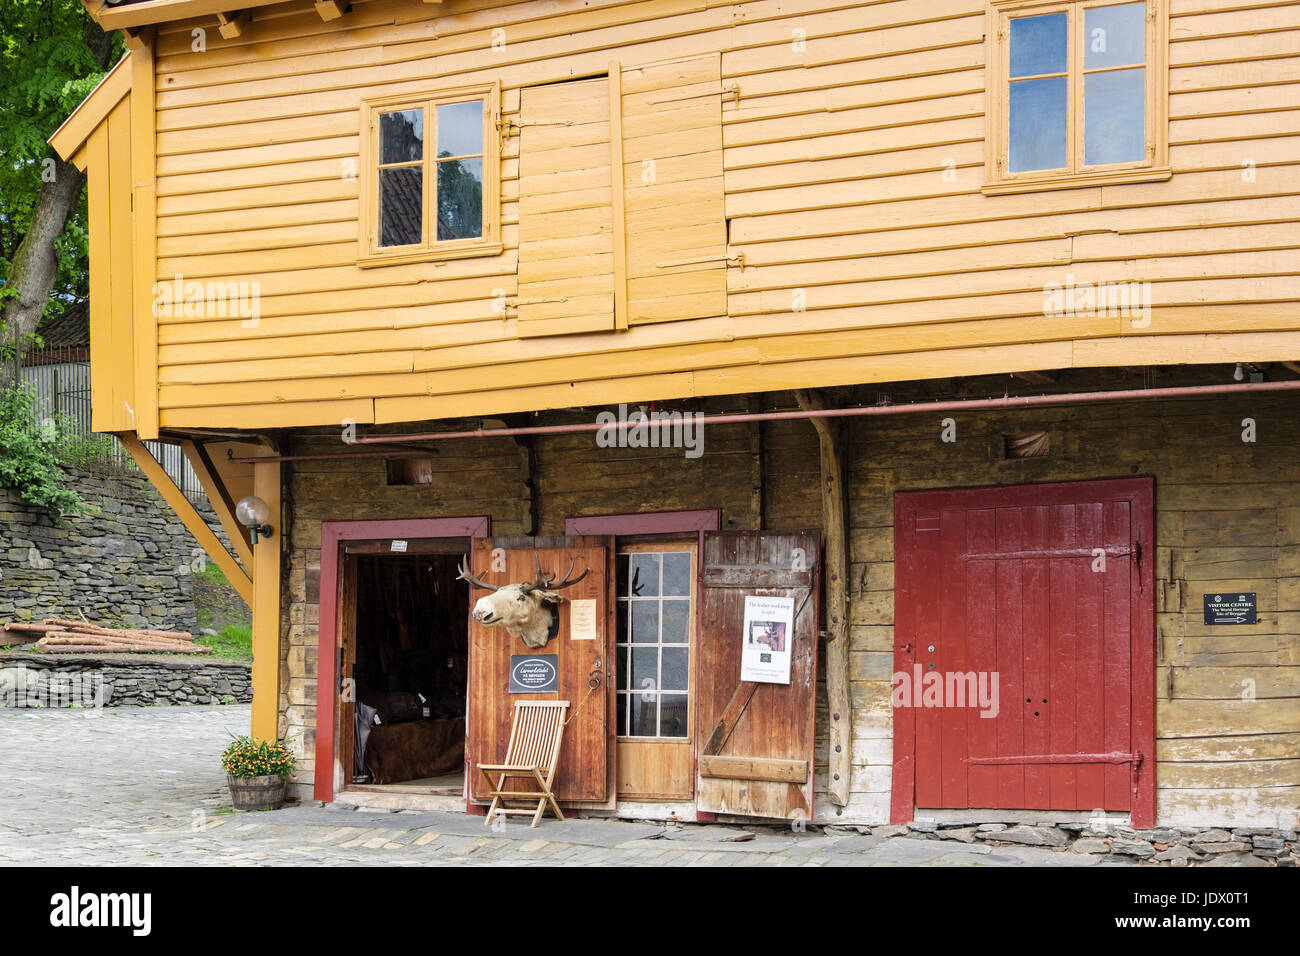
x=399 y=546
x=768 y=633
x=582 y=620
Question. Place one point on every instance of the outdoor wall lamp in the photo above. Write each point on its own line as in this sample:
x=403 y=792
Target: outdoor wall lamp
x=252 y=513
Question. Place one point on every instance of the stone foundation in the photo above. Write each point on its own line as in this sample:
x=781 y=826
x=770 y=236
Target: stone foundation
x=1160 y=846
x=86 y=681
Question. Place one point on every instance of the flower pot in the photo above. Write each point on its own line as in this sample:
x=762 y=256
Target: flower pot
x=255 y=793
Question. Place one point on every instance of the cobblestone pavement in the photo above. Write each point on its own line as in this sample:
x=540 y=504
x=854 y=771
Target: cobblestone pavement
x=143 y=786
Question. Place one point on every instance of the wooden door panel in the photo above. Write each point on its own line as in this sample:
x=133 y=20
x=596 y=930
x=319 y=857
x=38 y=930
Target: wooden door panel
x=1042 y=587
x=582 y=774
x=755 y=741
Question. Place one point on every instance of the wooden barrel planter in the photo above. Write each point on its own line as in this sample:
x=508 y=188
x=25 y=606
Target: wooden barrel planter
x=255 y=793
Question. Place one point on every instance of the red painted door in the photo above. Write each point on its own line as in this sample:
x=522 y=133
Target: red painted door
x=1024 y=649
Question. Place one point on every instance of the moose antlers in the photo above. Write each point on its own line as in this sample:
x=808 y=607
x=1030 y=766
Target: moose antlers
x=544 y=581
x=467 y=575
x=547 y=582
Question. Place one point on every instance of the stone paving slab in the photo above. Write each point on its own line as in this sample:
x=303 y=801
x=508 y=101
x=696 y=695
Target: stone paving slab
x=143 y=786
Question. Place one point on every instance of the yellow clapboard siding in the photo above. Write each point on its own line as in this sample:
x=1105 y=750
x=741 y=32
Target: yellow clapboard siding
x=849 y=165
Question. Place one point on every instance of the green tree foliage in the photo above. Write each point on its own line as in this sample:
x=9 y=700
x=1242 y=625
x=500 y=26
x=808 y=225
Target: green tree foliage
x=29 y=457
x=51 y=57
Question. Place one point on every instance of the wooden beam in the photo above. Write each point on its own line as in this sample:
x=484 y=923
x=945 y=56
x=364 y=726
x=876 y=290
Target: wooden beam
x=266 y=607
x=1036 y=378
x=331 y=9
x=830 y=439
x=219 y=497
x=231 y=25
x=189 y=516
x=776 y=769
x=730 y=716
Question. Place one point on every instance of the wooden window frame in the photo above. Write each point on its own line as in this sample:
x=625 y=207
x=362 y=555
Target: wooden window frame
x=1153 y=167
x=370 y=253
x=677 y=545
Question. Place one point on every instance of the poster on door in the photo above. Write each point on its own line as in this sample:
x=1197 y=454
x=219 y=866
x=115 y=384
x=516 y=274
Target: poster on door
x=768 y=631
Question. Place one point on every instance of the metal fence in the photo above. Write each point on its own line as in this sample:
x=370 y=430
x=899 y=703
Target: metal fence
x=62 y=392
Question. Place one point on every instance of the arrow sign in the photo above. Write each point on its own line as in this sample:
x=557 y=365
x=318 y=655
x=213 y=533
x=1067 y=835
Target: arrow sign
x=1226 y=608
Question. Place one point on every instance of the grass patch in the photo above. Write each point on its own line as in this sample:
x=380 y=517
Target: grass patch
x=235 y=642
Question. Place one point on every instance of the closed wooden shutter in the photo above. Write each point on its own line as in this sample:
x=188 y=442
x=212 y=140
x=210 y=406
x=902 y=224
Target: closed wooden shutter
x=672 y=177
x=566 y=221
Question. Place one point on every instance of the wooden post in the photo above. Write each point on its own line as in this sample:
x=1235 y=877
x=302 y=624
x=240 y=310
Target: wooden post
x=266 y=607
x=830 y=437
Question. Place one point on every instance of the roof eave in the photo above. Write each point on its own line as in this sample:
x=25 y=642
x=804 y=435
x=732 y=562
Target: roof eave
x=76 y=129
x=149 y=12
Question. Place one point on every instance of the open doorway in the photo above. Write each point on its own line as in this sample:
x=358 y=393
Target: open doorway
x=406 y=654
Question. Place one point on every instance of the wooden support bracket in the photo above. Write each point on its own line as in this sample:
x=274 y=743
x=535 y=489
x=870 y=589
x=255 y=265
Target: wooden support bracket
x=332 y=9
x=189 y=516
x=231 y=25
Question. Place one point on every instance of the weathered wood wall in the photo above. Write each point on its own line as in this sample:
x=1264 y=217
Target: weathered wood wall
x=852 y=161
x=1228 y=518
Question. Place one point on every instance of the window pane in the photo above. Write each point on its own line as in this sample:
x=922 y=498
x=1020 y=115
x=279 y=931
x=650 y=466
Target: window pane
x=677 y=620
x=1114 y=110
x=645 y=622
x=1038 y=45
x=672 y=715
x=401 y=206
x=621 y=667
x=1037 y=138
x=643 y=720
x=677 y=573
x=645 y=668
x=1116 y=35
x=622 y=635
x=620 y=572
x=460 y=199
x=401 y=137
x=645 y=575
x=460 y=129
x=675 y=673
x=622 y=714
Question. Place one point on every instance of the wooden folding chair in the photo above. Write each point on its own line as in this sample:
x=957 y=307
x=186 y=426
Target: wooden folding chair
x=533 y=753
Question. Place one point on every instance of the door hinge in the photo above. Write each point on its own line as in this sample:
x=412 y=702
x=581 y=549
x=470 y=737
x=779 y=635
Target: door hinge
x=729 y=91
x=733 y=258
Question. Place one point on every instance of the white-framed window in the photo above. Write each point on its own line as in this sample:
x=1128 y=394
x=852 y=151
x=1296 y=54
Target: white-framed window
x=430 y=176
x=656 y=618
x=1077 y=94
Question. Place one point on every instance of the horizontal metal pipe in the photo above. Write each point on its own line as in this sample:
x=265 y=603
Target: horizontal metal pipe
x=915 y=408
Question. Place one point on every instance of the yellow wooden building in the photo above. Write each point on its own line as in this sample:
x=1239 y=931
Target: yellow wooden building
x=385 y=264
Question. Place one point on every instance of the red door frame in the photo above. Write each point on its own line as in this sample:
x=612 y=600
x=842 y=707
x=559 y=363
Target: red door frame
x=332 y=534
x=1140 y=493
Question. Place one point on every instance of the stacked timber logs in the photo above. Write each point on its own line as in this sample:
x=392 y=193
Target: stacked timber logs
x=59 y=636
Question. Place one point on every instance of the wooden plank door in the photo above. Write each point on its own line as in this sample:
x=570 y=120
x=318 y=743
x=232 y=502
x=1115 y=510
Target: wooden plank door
x=583 y=772
x=1024 y=649
x=754 y=742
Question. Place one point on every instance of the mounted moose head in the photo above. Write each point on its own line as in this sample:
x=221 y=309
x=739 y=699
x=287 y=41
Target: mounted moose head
x=526 y=611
